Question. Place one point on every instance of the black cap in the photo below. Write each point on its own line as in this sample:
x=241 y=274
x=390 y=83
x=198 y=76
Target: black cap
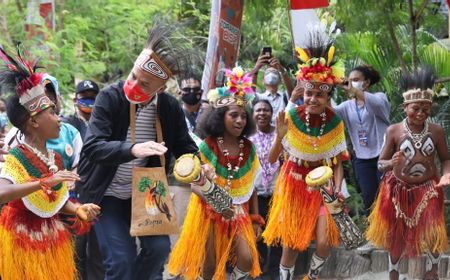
x=87 y=85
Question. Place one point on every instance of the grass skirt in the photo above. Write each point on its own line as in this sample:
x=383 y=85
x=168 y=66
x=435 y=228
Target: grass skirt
x=188 y=255
x=294 y=211
x=408 y=219
x=34 y=248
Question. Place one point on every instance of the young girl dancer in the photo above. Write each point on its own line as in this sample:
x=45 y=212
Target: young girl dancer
x=408 y=215
x=209 y=239
x=34 y=243
x=311 y=135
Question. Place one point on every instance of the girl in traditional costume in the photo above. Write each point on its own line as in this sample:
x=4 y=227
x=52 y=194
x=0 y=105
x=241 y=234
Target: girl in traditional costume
x=408 y=216
x=34 y=243
x=311 y=135
x=210 y=239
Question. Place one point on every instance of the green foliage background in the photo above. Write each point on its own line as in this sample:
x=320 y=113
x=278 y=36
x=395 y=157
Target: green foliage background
x=100 y=39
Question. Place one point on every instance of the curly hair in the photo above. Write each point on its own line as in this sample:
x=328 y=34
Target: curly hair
x=211 y=123
x=369 y=73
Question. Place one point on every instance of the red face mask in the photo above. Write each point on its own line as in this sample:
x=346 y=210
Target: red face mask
x=134 y=93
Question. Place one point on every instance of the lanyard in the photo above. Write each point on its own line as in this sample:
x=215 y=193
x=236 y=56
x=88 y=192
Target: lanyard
x=358 y=112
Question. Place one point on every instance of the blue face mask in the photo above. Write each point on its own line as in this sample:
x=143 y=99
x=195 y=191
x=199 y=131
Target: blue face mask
x=85 y=104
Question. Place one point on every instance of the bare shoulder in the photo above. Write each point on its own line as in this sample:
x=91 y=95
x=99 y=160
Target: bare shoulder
x=395 y=129
x=435 y=128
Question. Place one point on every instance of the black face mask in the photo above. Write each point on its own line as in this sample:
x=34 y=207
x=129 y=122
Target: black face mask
x=191 y=98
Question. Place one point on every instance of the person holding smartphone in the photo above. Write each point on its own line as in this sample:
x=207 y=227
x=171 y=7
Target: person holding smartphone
x=273 y=74
x=366 y=117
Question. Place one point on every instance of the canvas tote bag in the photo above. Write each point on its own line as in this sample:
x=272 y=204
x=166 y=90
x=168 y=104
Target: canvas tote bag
x=152 y=211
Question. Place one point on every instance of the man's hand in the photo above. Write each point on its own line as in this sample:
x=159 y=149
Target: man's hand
x=150 y=148
x=275 y=63
x=263 y=59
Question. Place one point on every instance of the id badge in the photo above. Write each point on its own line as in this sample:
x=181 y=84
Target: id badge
x=362 y=135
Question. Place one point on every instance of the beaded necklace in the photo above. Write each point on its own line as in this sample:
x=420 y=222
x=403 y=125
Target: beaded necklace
x=230 y=169
x=49 y=161
x=416 y=137
x=313 y=141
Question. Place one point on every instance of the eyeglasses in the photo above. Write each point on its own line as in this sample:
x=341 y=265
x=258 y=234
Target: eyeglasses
x=191 y=90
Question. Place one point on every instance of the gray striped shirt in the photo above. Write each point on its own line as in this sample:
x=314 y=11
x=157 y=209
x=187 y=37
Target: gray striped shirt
x=145 y=131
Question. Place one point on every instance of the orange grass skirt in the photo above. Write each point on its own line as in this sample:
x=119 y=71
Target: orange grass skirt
x=188 y=255
x=294 y=211
x=408 y=219
x=34 y=248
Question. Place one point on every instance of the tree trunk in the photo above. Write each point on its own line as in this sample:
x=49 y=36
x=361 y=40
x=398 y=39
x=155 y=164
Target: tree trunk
x=413 y=22
x=395 y=43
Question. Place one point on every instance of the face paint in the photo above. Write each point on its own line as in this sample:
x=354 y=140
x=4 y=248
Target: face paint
x=85 y=105
x=134 y=93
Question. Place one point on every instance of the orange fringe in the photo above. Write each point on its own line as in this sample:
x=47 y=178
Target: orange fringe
x=391 y=233
x=294 y=211
x=51 y=258
x=188 y=255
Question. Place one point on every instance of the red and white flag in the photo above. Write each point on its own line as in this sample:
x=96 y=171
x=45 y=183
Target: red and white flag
x=303 y=16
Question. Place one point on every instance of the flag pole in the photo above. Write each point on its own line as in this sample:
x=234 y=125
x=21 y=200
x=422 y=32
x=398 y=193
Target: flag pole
x=288 y=6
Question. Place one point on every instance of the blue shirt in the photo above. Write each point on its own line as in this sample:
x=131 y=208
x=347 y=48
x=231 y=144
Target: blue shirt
x=373 y=118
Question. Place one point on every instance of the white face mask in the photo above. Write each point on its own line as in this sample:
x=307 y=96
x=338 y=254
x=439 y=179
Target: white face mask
x=272 y=79
x=358 y=85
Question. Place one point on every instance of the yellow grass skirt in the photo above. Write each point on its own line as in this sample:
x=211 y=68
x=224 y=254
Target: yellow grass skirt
x=34 y=248
x=188 y=255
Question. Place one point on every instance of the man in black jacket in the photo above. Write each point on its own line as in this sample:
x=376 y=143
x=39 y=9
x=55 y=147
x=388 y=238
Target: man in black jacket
x=108 y=156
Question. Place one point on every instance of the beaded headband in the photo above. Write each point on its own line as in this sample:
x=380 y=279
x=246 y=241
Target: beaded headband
x=417 y=95
x=20 y=77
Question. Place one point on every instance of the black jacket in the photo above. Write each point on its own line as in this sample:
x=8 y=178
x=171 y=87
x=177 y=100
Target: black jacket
x=105 y=146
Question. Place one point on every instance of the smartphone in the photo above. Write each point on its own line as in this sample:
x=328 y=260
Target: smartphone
x=267 y=51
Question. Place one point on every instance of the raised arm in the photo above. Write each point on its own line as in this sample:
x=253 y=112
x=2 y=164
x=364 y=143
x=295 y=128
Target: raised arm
x=277 y=147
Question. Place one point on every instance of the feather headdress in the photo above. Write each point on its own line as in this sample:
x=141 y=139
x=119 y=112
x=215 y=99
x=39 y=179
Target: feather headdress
x=238 y=90
x=318 y=63
x=19 y=76
x=418 y=86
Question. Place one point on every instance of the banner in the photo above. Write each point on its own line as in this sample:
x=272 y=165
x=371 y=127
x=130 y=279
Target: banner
x=223 y=41
x=303 y=16
x=39 y=13
x=308 y=4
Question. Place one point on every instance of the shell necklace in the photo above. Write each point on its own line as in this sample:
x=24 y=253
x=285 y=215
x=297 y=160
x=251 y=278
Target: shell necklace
x=416 y=137
x=314 y=142
x=49 y=161
x=230 y=169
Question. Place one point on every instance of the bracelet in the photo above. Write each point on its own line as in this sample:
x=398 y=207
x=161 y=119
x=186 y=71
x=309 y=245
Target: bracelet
x=46 y=188
x=284 y=71
x=256 y=218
